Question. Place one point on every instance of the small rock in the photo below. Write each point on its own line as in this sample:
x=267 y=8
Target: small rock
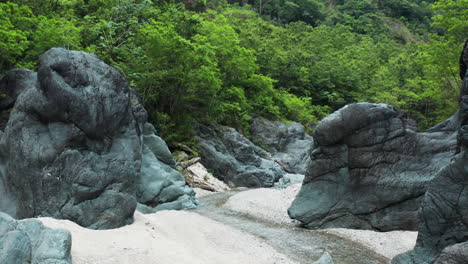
x=325 y=259
x=30 y=242
x=199 y=177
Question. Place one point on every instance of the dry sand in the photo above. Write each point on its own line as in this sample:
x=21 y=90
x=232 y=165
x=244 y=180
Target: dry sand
x=167 y=237
x=271 y=205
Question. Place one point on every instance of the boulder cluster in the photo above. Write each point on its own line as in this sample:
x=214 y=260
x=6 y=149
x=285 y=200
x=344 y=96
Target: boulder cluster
x=75 y=144
x=369 y=169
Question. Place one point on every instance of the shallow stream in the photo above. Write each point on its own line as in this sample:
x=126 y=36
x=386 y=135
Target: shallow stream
x=299 y=244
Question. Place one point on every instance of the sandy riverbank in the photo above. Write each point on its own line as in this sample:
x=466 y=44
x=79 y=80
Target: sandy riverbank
x=167 y=237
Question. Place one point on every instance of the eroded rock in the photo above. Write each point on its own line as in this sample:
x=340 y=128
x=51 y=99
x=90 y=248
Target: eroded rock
x=444 y=211
x=236 y=160
x=368 y=171
x=325 y=259
x=161 y=186
x=288 y=143
x=74 y=144
x=30 y=242
x=456 y=254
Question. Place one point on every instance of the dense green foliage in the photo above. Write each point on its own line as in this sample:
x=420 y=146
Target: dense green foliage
x=219 y=62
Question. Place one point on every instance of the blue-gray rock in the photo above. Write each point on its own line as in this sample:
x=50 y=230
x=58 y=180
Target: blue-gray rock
x=368 y=171
x=161 y=186
x=13 y=84
x=443 y=214
x=326 y=258
x=74 y=144
x=288 y=144
x=456 y=254
x=290 y=179
x=30 y=242
x=236 y=160
x=157 y=145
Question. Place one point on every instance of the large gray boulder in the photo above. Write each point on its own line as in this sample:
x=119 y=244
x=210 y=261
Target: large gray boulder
x=444 y=212
x=74 y=145
x=368 y=171
x=236 y=160
x=30 y=242
x=288 y=143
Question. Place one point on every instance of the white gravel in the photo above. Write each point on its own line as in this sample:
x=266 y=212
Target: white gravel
x=388 y=244
x=271 y=205
x=199 y=193
x=267 y=204
x=167 y=237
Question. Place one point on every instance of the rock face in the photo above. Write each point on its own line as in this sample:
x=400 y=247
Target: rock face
x=444 y=212
x=13 y=84
x=456 y=254
x=289 y=144
x=235 y=160
x=74 y=144
x=161 y=186
x=290 y=179
x=368 y=171
x=30 y=242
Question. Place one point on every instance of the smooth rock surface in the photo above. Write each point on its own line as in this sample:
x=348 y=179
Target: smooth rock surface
x=160 y=185
x=236 y=160
x=325 y=259
x=368 y=171
x=75 y=142
x=288 y=143
x=30 y=242
x=444 y=212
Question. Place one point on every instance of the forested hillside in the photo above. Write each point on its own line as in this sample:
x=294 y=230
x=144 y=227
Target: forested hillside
x=213 y=61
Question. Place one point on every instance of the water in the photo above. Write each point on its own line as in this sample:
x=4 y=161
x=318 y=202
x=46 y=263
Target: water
x=299 y=244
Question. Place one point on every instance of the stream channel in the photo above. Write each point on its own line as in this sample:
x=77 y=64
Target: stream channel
x=299 y=244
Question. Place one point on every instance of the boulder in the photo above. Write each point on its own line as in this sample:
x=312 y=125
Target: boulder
x=368 y=171
x=30 y=242
x=288 y=143
x=236 y=160
x=198 y=177
x=456 y=254
x=290 y=179
x=75 y=142
x=325 y=259
x=160 y=185
x=443 y=215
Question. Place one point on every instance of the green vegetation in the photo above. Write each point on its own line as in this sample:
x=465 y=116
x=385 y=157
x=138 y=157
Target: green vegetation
x=223 y=62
